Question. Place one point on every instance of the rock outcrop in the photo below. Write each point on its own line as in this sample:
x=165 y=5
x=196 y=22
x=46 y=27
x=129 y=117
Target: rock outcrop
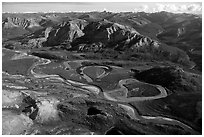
x=11 y=22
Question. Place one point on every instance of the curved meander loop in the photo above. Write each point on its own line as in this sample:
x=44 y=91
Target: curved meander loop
x=124 y=98
x=91 y=74
x=105 y=71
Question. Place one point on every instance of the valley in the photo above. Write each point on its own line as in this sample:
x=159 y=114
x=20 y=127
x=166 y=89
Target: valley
x=100 y=73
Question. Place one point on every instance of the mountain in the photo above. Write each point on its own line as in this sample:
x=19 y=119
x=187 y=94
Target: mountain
x=162 y=35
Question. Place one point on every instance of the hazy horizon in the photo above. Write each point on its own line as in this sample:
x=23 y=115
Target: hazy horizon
x=34 y=7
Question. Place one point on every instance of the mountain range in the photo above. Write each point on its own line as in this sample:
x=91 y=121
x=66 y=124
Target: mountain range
x=157 y=36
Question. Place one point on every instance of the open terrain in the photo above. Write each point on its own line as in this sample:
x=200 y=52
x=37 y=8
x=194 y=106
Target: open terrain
x=99 y=73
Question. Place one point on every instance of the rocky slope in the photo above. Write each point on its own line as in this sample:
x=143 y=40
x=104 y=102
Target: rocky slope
x=65 y=32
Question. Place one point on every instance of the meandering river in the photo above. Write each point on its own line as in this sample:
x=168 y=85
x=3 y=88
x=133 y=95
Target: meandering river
x=109 y=95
